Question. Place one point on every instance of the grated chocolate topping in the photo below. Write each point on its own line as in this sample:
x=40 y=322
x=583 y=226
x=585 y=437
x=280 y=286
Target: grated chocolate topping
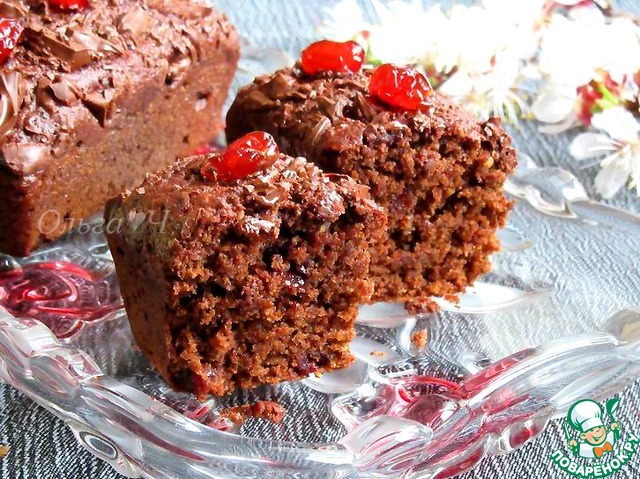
x=73 y=70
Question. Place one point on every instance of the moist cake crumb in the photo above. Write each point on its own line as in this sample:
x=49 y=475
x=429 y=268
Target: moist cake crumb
x=234 y=284
x=438 y=172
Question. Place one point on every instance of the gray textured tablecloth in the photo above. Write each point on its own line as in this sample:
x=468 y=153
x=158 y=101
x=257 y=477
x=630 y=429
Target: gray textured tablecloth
x=42 y=446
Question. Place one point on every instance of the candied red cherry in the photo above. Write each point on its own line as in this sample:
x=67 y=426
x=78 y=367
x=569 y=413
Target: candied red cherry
x=69 y=4
x=333 y=57
x=10 y=31
x=247 y=155
x=401 y=88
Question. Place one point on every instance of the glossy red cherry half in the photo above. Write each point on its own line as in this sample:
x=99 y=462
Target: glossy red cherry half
x=401 y=88
x=69 y=4
x=247 y=155
x=333 y=57
x=10 y=31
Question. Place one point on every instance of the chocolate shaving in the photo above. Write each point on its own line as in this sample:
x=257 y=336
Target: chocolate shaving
x=330 y=107
x=13 y=9
x=137 y=21
x=352 y=188
x=25 y=157
x=182 y=8
x=65 y=92
x=267 y=194
x=364 y=106
x=75 y=49
x=10 y=101
x=193 y=47
x=301 y=92
x=256 y=100
x=314 y=137
x=45 y=42
x=101 y=105
x=86 y=40
x=279 y=87
x=44 y=95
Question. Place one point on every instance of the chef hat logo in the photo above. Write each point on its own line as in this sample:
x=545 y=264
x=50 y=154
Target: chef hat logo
x=585 y=415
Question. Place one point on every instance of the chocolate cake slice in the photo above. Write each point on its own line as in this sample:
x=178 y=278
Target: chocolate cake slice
x=438 y=171
x=95 y=97
x=236 y=282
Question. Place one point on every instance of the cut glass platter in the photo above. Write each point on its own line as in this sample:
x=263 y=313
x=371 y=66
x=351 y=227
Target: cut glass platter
x=546 y=327
x=428 y=396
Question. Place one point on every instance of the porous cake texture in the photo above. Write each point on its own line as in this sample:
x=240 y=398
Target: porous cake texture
x=438 y=172
x=230 y=285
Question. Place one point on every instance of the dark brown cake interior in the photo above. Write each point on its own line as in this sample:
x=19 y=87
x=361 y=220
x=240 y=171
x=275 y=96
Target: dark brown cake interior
x=250 y=283
x=439 y=172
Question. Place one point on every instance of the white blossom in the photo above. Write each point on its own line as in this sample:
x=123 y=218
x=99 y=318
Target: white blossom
x=618 y=146
x=493 y=93
x=406 y=32
x=345 y=21
x=574 y=51
x=555 y=106
x=571 y=51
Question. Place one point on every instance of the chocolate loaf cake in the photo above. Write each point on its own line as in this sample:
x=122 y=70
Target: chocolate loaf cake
x=93 y=98
x=242 y=282
x=438 y=171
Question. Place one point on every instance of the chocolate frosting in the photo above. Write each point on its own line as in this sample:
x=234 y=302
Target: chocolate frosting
x=73 y=71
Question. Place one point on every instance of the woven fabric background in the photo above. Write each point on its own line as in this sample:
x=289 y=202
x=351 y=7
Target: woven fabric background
x=42 y=447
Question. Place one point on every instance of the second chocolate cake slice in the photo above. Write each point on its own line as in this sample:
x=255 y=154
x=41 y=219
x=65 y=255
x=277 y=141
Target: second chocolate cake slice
x=438 y=171
x=97 y=94
x=236 y=282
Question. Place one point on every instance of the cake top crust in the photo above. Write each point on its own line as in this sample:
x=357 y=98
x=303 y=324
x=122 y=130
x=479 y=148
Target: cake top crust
x=334 y=112
x=72 y=70
x=189 y=205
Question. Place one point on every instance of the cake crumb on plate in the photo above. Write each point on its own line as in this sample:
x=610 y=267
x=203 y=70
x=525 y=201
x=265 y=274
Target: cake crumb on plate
x=269 y=410
x=419 y=338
